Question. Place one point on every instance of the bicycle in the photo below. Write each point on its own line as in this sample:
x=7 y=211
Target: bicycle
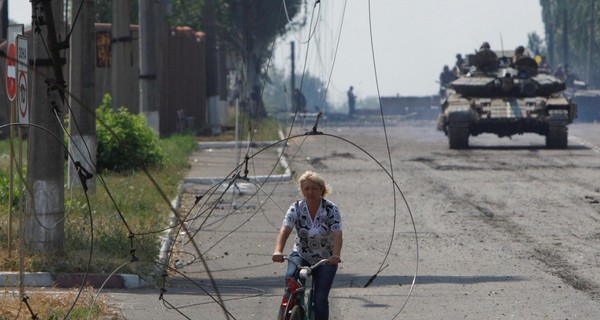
x=294 y=306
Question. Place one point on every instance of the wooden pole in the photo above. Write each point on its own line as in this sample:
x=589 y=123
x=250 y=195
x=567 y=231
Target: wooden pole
x=21 y=216
x=82 y=83
x=292 y=76
x=591 y=36
x=10 y=180
x=44 y=224
x=148 y=63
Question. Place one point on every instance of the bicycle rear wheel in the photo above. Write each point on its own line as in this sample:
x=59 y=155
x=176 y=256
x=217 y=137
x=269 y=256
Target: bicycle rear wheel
x=297 y=313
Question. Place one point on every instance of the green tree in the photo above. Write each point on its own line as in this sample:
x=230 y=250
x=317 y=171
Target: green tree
x=104 y=11
x=573 y=36
x=536 y=44
x=187 y=13
x=245 y=28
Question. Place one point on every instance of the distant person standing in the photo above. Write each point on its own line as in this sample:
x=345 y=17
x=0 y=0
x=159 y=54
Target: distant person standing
x=351 y=101
x=560 y=73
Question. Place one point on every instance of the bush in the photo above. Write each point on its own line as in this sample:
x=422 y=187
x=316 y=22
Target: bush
x=5 y=189
x=125 y=142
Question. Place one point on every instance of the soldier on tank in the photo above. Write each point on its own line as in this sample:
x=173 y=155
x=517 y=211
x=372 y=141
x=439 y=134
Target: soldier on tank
x=459 y=65
x=446 y=77
x=521 y=61
x=519 y=54
x=486 y=60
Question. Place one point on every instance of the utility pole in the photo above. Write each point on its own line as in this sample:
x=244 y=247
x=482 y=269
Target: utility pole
x=150 y=19
x=212 y=70
x=44 y=216
x=122 y=69
x=3 y=20
x=293 y=76
x=82 y=127
x=591 y=36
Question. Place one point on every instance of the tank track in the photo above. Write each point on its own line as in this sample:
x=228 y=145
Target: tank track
x=558 y=135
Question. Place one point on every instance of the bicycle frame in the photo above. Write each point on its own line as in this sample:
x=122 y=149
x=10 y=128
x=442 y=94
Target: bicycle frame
x=294 y=295
x=295 y=291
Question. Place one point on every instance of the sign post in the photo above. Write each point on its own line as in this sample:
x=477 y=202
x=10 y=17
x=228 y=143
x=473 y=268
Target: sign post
x=23 y=117
x=11 y=90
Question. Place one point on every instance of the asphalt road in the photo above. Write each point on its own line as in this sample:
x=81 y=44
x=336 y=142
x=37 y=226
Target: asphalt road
x=504 y=230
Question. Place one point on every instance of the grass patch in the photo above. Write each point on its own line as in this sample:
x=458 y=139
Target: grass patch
x=56 y=305
x=125 y=217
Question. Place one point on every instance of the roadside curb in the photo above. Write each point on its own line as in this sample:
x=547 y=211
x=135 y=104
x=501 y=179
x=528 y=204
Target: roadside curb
x=234 y=144
x=63 y=280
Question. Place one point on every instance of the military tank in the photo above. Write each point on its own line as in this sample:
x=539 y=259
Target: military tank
x=506 y=98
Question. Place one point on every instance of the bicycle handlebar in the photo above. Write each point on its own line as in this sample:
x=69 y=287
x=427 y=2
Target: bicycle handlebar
x=305 y=271
x=323 y=261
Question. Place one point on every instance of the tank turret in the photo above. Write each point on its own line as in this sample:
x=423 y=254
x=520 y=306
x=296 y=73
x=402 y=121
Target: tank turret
x=521 y=79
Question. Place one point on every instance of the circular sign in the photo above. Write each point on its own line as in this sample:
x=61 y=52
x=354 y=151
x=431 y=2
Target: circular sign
x=11 y=72
x=23 y=94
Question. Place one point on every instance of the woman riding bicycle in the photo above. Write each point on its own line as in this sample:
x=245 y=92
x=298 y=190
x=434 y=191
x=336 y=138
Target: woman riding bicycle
x=318 y=227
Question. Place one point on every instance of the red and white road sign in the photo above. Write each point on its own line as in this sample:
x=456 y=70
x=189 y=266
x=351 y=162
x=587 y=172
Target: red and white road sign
x=11 y=71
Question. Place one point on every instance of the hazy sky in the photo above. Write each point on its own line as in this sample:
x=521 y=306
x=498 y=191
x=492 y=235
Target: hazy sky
x=412 y=40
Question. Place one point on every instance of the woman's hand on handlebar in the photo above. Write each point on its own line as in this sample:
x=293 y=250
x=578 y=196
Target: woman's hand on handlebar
x=334 y=260
x=277 y=257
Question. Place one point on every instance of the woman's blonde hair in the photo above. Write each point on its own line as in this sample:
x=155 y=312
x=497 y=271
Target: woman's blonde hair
x=315 y=178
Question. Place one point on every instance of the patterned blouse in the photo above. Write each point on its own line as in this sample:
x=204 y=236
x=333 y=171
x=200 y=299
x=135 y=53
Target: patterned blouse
x=314 y=239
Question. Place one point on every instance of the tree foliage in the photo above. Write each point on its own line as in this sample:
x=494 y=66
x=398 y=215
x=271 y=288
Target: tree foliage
x=245 y=28
x=103 y=10
x=573 y=36
x=536 y=44
x=187 y=13
x=251 y=26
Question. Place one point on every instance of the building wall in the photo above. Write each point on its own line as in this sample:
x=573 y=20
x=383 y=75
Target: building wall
x=182 y=78
x=183 y=89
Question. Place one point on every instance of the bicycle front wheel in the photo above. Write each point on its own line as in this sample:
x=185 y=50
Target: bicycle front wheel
x=297 y=313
